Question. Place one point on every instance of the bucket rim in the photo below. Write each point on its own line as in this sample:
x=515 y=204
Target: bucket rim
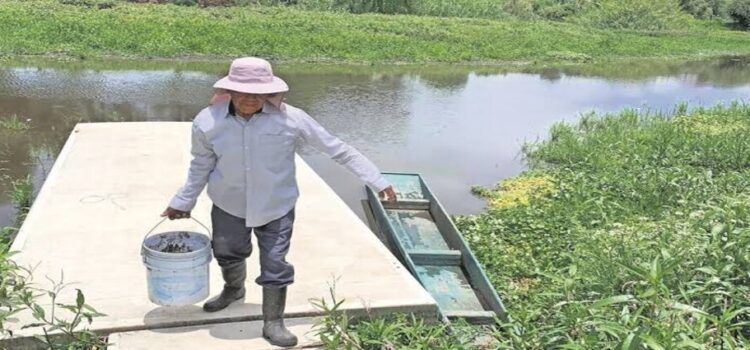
x=151 y=231
x=148 y=252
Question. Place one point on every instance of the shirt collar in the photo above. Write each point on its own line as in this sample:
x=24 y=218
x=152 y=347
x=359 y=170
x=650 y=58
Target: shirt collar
x=267 y=108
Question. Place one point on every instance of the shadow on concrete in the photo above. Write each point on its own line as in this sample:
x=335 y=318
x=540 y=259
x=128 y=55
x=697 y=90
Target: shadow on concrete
x=238 y=322
x=193 y=315
x=254 y=330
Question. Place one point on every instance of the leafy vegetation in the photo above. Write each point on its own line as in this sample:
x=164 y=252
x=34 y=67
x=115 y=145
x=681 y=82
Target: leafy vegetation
x=68 y=332
x=18 y=293
x=636 y=15
x=338 y=330
x=491 y=9
x=556 y=10
x=698 y=8
x=641 y=240
x=739 y=10
x=44 y=27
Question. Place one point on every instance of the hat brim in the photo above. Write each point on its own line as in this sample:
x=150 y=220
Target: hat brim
x=274 y=87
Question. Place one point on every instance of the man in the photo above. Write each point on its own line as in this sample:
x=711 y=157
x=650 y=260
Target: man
x=243 y=147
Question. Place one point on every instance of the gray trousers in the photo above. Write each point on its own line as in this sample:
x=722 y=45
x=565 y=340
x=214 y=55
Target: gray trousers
x=232 y=245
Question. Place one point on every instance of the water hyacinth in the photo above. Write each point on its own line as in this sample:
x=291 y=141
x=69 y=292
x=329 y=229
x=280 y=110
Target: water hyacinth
x=644 y=243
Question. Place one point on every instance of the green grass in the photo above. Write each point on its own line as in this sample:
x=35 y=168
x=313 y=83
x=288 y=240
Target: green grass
x=45 y=27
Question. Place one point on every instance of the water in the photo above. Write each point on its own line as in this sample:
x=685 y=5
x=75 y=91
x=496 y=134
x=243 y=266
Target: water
x=457 y=126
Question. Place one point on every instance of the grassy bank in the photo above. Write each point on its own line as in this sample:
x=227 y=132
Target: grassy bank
x=628 y=228
x=46 y=27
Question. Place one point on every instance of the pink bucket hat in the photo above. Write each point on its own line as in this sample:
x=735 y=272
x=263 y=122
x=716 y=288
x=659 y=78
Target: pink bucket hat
x=250 y=75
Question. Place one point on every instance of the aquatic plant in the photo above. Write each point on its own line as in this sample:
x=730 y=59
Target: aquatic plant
x=644 y=242
x=14 y=123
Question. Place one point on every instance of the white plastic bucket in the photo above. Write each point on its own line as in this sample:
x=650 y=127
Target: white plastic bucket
x=176 y=266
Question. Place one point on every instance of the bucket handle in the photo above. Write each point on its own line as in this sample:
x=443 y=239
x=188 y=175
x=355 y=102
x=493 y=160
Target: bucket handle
x=164 y=219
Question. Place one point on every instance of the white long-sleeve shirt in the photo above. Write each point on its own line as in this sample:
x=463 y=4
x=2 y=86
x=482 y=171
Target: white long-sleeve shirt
x=249 y=164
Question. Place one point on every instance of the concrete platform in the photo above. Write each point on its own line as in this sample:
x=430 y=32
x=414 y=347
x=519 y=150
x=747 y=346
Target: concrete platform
x=224 y=336
x=107 y=189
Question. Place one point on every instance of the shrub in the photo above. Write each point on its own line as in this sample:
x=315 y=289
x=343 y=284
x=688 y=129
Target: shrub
x=523 y=9
x=187 y=2
x=318 y=5
x=378 y=6
x=697 y=8
x=460 y=8
x=739 y=10
x=106 y=4
x=719 y=7
x=100 y=4
x=560 y=9
x=634 y=15
x=87 y=3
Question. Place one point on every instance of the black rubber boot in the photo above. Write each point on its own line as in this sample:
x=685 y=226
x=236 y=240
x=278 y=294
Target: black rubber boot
x=234 y=288
x=274 y=301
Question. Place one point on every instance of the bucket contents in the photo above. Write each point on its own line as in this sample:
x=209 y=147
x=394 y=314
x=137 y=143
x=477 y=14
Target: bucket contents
x=174 y=242
x=176 y=248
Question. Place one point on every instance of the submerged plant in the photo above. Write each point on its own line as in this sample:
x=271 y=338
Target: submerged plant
x=14 y=123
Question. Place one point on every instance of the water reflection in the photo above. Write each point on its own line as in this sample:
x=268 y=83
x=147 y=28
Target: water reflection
x=456 y=126
x=732 y=71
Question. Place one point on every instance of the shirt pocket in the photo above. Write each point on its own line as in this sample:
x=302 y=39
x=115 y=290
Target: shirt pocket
x=277 y=151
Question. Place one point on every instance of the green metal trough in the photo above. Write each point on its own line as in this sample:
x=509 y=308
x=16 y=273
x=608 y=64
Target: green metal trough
x=423 y=237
